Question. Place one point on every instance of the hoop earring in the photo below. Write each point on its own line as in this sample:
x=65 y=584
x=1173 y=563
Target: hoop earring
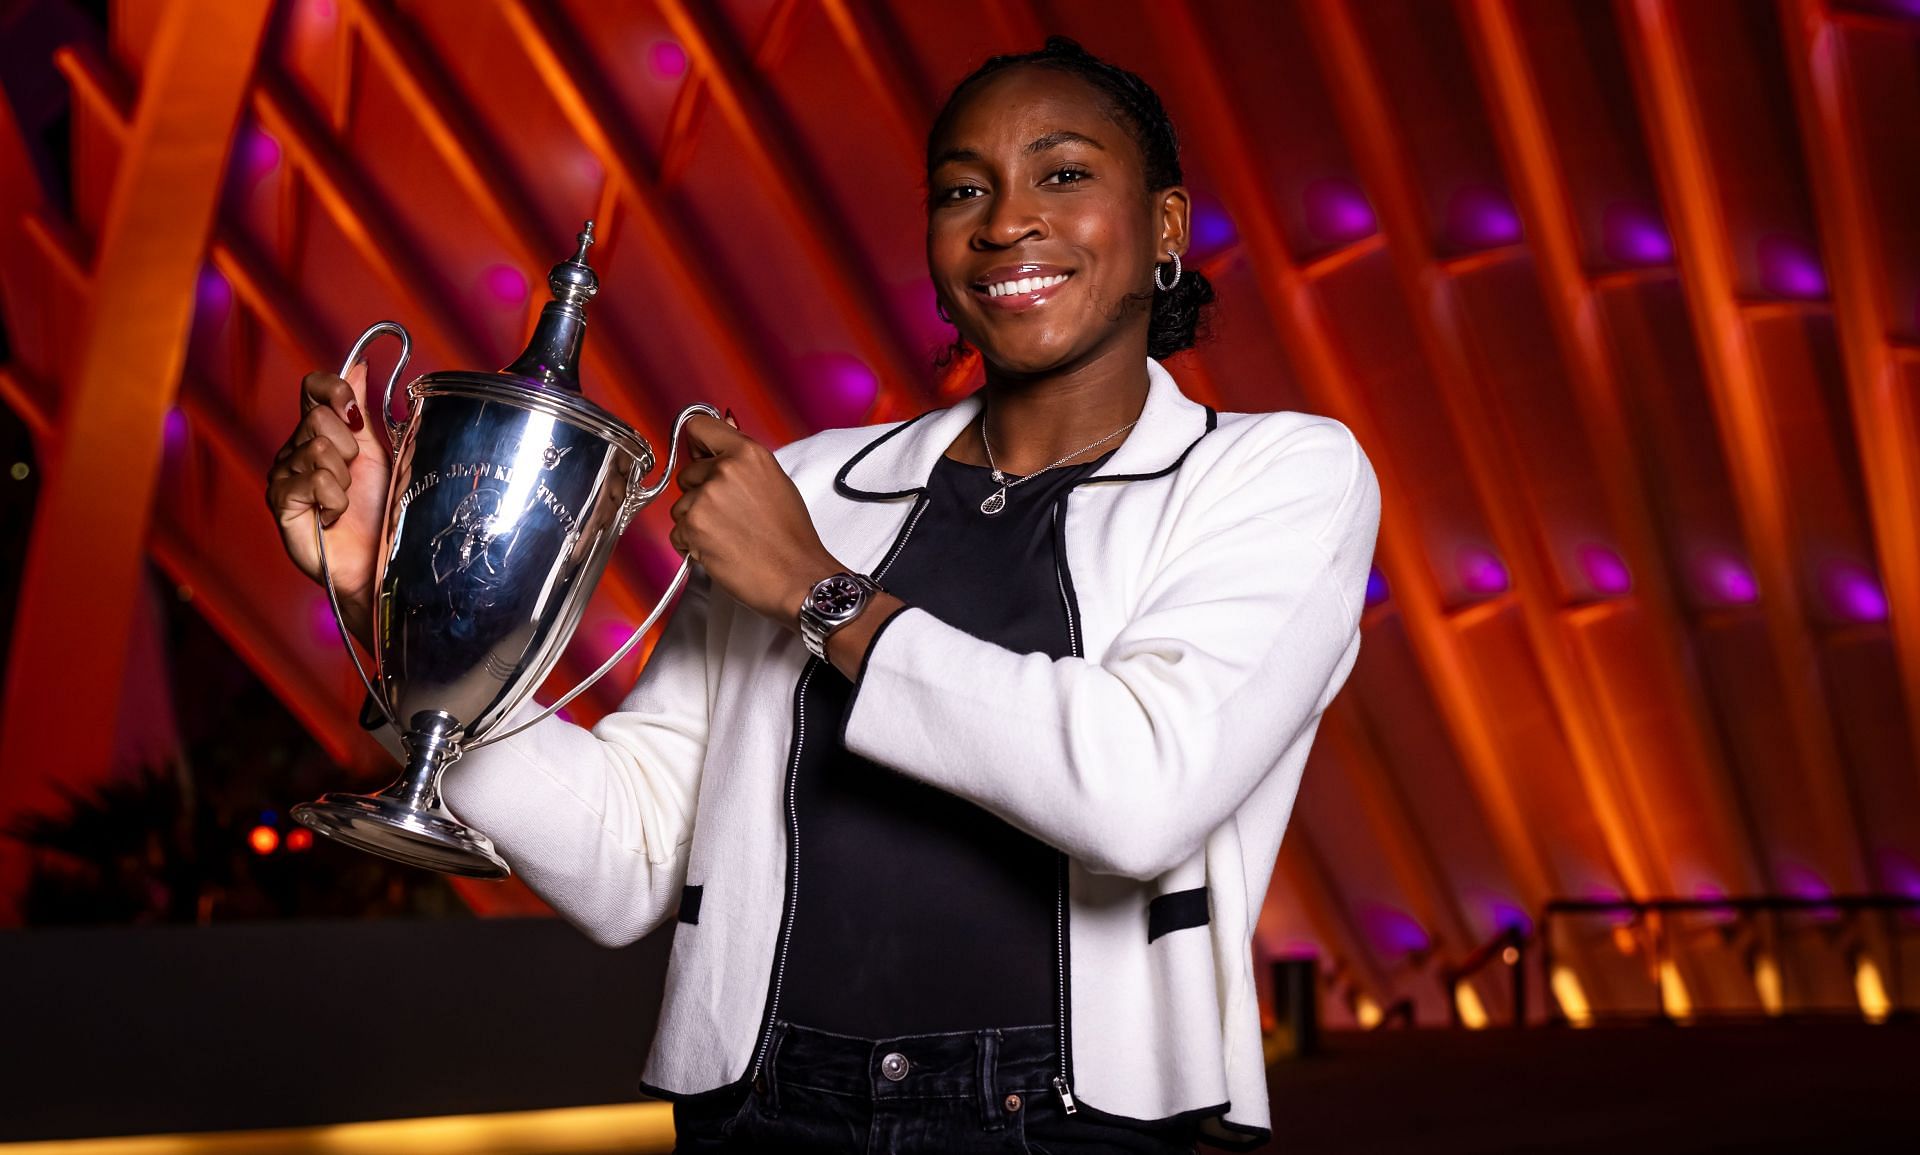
x=1167 y=286
x=941 y=312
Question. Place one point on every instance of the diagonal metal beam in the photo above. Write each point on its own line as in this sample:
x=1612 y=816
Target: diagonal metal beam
x=785 y=175
x=1379 y=155
x=1884 y=410
x=1519 y=117
x=93 y=510
x=1737 y=385
x=488 y=182
x=576 y=86
x=1298 y=318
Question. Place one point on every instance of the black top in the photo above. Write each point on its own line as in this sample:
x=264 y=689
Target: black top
x=918 y=911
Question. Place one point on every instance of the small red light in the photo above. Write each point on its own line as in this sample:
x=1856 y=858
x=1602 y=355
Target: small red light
x=299 y=838
x=263 y=839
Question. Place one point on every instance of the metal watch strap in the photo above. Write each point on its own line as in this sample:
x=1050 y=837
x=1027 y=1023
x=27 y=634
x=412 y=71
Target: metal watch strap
x=815 y=632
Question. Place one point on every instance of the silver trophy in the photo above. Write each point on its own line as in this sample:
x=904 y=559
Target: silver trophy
x=509 y=492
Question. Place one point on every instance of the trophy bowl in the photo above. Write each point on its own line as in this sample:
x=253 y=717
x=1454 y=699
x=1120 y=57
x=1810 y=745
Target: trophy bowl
x=508 y=494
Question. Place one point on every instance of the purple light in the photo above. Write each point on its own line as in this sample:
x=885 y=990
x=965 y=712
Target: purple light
x=259 y=154
x=1605 y=571
x=1213 y=229
x=1801 y=882
x=1338 y=211
x=613 y=635
x=1507 y=916
x=1634 y=234
x=507 y=284
x=1481 y=216
x=1394 y=930
x=1377 y=590
x=1727 y=579
x=1854 y=593
x=173 y=434
x=1901 y=875
x=836 y=389
x=564 y=714
x=1717 y=916
x=213 y=296
x=1482 y=572
x=667 y=59
x=1623 y=917
x=320 y=620
x=1790 y=268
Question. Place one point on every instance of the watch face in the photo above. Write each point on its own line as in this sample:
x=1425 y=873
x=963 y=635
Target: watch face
x=837 y=596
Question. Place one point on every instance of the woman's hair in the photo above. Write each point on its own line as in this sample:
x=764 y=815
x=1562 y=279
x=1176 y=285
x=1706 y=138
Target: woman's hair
x=1177 y=314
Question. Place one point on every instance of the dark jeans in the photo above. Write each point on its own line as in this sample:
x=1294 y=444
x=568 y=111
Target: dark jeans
x=956 y=1093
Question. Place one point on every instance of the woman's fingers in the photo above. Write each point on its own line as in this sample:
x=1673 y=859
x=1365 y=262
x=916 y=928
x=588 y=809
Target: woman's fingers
x=291 y=489
x=294 y=495
x=329 y=496
x=325 y=390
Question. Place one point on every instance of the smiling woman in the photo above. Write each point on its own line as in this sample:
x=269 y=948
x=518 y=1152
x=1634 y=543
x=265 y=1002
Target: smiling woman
x=965 y=757
x=1112 y=169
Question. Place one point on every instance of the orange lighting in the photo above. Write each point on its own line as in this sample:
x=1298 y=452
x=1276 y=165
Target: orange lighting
x=1872 y=992
x=263 y=839
x=1473 y=1012
x=298 y=839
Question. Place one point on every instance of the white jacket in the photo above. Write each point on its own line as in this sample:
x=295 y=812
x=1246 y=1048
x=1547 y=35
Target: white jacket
x=1214 y=571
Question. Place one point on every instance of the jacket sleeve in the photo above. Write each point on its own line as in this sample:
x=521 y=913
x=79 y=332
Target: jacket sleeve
x=599 y=822
x=1238 y=642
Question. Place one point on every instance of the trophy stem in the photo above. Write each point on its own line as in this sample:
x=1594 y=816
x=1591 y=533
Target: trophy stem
x=430 y=750
x=408 y=822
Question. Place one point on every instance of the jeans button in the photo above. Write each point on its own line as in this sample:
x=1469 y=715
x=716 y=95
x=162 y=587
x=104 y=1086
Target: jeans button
x=1012 y=1103
x=894 y=1066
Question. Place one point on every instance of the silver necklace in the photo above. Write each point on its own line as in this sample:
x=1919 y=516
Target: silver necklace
x=997 y=500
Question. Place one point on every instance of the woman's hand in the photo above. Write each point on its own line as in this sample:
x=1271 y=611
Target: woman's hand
x=333 y=462
x=742 y=518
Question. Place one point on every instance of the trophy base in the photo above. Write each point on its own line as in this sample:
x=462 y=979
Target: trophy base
x=432 y=839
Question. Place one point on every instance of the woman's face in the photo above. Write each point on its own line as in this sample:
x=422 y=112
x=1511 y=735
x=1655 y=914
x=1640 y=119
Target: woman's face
x=1039 y=224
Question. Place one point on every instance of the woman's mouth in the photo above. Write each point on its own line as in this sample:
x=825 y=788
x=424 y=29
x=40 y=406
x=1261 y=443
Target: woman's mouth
x=1021 y=292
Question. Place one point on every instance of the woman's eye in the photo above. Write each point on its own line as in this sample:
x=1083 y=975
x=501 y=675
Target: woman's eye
x=1068 y=175
x=959 y=193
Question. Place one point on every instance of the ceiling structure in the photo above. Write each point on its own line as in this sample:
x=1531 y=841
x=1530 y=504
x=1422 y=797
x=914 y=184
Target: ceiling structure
x=1623 y=300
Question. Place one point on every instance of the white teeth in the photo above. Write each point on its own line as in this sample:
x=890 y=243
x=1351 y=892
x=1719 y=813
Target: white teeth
x=1023 y=285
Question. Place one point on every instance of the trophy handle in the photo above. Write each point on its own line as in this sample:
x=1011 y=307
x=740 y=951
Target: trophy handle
x=395 y=431
x=636 y=499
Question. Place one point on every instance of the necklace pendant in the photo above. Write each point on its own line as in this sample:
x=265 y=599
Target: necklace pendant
x=995 y=502
x=999 y=477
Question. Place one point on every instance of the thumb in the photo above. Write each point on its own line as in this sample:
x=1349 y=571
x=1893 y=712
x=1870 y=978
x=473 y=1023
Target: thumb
x=356 y=380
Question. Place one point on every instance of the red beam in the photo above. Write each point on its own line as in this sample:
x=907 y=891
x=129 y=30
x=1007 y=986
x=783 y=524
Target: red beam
x=87 y=550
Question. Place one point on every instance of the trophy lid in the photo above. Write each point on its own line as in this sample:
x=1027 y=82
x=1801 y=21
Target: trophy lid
x=546 y=374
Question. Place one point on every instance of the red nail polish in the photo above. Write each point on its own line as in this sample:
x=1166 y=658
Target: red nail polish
x=355 y=422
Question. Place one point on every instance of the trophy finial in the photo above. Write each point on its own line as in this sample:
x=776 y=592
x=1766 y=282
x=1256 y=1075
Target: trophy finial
x=572 y=280
x=553 y=355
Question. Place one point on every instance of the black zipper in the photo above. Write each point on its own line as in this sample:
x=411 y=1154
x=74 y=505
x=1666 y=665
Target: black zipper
x=1063 y=1082
x=793 y=813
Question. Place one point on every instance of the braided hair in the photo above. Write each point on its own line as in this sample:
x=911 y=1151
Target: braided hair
x=1178 y=313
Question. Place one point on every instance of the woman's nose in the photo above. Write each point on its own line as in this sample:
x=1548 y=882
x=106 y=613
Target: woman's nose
x=1011 y=219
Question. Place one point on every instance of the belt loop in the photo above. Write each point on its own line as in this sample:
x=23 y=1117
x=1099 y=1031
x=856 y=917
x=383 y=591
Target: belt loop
x=770 y=1069
x=992 y=1116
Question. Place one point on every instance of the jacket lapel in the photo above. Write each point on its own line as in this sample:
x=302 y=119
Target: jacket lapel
x=898 y=462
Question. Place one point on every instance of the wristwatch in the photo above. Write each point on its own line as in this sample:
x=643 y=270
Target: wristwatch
x=834 y=601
